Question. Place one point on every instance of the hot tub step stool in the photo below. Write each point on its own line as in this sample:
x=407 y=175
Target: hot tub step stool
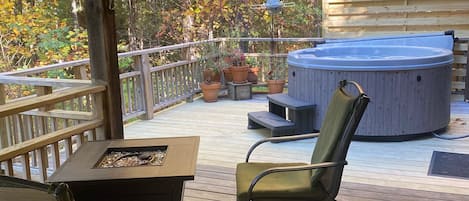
x=299 y=121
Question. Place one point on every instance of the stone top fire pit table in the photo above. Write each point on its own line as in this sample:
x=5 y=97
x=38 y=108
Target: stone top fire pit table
x=88 y=181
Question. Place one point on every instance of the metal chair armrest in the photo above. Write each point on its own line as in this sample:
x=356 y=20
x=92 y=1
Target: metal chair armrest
x=291 y=168
x=279 y=139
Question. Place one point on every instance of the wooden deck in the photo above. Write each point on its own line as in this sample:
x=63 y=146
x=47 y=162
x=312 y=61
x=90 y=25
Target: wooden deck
x=376 y=171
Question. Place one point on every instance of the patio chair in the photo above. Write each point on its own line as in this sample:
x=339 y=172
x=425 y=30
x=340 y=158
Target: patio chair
x=16 y=189
x=319 y=180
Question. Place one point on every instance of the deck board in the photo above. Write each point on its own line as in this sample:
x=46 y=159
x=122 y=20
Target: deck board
x=376 y=171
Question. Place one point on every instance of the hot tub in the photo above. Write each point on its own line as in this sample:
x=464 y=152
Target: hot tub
x=409 y=86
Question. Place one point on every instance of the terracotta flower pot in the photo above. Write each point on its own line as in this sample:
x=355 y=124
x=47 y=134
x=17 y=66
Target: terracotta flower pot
x=240 y=74
x=228 y=75
x=211 y=75
x=210 y=91
x=252 y=75
x=275 y=86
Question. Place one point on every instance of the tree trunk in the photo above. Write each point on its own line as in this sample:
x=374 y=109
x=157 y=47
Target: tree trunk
x=75 y=13
x=18 y=7
x=132 y=29
x=317 y=5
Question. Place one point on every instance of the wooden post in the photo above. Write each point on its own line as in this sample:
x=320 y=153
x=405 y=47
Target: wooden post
x=104 y=64
x=466 y=89
x=80 y=72
x=41 y=91
x=146 y=86
x=3 y=130
x=187 y=55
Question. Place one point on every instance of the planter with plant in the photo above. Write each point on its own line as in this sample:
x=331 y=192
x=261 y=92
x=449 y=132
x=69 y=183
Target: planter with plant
x=253 y=69
x=239 y=69
x=211 y=73
x=276 y=78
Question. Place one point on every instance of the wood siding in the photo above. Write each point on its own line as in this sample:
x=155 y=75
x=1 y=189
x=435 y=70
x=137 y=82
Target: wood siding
x=352 y=18
x=357 y=18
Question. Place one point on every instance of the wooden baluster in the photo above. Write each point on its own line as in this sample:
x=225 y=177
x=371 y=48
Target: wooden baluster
x=123 y=108
x=178 y=81
x=9 y=168
x=42 y=157
x=56 y=154
x=166 y=89
x=68 y=145
x=136 y=95
x=93 y=135
x=30 y=135
x=82 y=138
x=129 y=95
x=156 y=88
x=192 y=69
x=26 y=166
x=88 y=103
x=98 y=114
x=173 y=80
x=12 y=130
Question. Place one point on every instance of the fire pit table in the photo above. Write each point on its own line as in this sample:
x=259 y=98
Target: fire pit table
x=140 y=169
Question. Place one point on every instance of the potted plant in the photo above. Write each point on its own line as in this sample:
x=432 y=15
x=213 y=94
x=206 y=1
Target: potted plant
x=253 y=69
x=239 y=69
x=276 y=78
x=210 y=84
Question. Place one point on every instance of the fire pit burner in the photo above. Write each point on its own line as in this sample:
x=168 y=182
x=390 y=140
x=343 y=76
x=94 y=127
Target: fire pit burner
x=131 y=157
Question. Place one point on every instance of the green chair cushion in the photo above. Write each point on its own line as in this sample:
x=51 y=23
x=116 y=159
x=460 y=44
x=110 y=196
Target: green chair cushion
x=295 y=185
x=24 y=194
x=16 y=189
x=338 y=112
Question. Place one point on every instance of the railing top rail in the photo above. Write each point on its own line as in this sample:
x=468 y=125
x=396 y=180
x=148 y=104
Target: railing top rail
x=317 y=40
x=153 y=50
x=51 y=82
x=168 y=48
x=41 y=101
x=47 y=68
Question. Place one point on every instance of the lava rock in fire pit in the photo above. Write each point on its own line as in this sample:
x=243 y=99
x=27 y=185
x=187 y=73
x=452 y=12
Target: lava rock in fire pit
x=115 y=159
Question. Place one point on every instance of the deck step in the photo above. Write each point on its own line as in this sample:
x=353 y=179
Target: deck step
x=270 y=120
x=289 y=102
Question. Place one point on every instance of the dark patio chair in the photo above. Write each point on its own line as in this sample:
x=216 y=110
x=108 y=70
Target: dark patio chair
x=16 y=189
x=319 y=180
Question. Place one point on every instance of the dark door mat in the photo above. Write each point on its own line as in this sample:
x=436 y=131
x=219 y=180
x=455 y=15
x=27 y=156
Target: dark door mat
x=445 y=164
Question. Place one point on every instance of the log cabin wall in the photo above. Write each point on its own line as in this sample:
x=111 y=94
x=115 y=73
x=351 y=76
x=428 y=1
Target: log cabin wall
x=358 y=18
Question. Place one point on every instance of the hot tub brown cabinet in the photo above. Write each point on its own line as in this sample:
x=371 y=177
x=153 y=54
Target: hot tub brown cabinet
x=141 y=183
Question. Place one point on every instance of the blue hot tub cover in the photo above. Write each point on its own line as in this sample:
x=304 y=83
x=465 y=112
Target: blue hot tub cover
x=443 y=40
x=370 y=58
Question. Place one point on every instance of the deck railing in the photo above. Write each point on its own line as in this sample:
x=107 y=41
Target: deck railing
x=41 y=128
x=39 y=135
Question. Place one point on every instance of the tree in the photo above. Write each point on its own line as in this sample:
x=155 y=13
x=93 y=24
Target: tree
x=32 y=34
